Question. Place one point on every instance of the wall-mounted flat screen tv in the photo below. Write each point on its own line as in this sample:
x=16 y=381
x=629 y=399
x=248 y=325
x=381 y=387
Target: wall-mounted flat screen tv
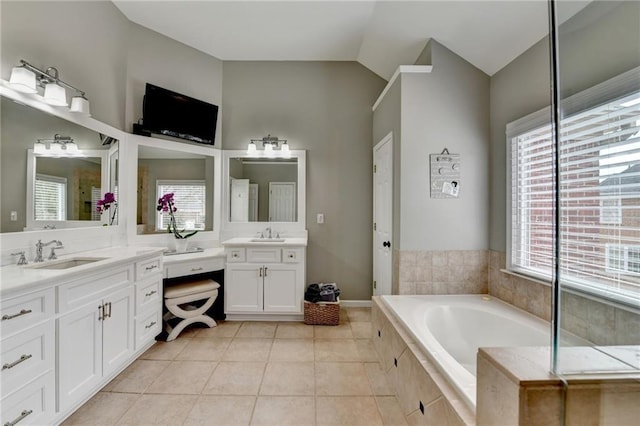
x=169 y=113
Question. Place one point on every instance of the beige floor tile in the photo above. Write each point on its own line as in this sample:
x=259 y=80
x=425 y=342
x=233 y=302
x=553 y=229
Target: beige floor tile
x=366 y=350
x=361 y=330
x=352 y=411
x=235 y=378
x=390 y=411
x=336 y=350
x=284 y=410
x=341 y=378
x=378 y=379
x=223 y=329
x=221 y=410
x=154 y=410
x=103 y=409
x=245 y=349
x=294 y=330
x=288 y=378
x=137 y=377
x=344 y=316
x=182 y=377
x=359 y=314
x=166 y=350
x=257 y=329
x=204 y=349
x=292 y=350
x=340 y=331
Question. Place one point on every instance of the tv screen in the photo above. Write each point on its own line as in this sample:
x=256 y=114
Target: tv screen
x=172 y=114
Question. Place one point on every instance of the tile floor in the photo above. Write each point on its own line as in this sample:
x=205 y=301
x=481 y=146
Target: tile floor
x=253 y=373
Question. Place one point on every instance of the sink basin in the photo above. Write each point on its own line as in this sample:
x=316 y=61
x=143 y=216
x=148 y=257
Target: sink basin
x=67 y=263
x=267 y=240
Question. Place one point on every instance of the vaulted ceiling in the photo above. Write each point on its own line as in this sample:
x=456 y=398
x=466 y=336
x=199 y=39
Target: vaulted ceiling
x=381 y=35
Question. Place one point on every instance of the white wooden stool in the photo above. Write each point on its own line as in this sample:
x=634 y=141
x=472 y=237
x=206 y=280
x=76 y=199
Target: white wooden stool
x=179 y=298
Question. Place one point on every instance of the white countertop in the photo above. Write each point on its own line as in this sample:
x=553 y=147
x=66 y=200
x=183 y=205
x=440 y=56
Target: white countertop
x=14 y=278
x=186 y=257
x=251 y=241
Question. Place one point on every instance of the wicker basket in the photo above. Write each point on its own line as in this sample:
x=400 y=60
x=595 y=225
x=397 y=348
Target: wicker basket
x=322 y=313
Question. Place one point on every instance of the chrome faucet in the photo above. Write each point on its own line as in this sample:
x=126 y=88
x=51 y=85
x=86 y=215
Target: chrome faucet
x=40 y=245
x=269 y=231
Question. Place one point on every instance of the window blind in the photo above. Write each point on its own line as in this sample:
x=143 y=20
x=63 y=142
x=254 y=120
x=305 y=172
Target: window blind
x=50 y=197
x=189 y=198
x=599 y=198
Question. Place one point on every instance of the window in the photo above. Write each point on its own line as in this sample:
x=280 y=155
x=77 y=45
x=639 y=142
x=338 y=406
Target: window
x=599 y=197
x=50 y=198
x=190 y=200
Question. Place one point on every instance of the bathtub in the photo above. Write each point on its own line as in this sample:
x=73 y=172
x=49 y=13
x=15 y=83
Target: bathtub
x=451 y=328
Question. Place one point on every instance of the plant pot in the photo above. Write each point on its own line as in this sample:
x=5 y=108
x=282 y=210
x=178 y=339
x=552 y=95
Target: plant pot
x=181 y=245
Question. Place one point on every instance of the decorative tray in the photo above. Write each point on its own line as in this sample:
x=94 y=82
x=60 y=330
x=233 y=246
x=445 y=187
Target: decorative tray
x=191 y=250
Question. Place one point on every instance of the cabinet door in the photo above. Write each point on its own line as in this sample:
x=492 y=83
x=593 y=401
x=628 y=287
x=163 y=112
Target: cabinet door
x=79 y=354
x=283 y=285
x=117 y=330
x=243 y=288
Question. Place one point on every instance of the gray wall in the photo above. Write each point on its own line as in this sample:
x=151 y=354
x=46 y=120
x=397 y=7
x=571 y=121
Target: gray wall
x=325 y=108
x=86 y=41
x=598 y=43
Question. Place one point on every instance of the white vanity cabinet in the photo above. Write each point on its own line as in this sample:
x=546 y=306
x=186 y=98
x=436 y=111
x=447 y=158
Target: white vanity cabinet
x=264 y=282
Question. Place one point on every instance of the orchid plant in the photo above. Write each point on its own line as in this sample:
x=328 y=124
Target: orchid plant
x=106 y=203
x=166 y=204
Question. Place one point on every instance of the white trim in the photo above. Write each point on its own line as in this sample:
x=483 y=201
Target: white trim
x=406 y=69
x=356 y=303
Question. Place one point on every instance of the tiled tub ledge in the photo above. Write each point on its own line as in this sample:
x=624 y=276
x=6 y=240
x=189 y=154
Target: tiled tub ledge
x=424 y=395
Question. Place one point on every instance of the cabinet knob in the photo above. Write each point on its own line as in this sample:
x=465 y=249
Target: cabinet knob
x=151 y=293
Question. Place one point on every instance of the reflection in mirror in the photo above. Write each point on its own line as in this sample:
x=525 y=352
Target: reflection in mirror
x=188 y=176
x=84 y=177
x=263 y=189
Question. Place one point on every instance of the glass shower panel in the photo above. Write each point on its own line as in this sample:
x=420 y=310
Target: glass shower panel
x=596 y=53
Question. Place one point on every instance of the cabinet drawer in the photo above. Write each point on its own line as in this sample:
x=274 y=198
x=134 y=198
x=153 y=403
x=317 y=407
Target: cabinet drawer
x=148 y=326
x=193 y=267
x=148 y=293
x=33 y=404
x=236 y=255
x=27 y=355
x=292 y=255
x=24 y=311
x=77 y=293
x=147 y=268
x=255 y=254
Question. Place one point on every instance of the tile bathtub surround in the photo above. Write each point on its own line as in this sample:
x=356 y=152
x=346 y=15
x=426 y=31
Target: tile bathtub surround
x=442 y=272
x=253 y=373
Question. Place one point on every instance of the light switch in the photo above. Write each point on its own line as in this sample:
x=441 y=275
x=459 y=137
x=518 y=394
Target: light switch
x=320 y=218
x=14 y=216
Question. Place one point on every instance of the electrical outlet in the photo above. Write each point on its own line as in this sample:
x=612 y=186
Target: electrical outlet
x=14 y=216
x=320 y=218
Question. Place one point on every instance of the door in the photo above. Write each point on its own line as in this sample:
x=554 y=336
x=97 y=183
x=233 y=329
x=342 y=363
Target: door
x=282 y=201
x=253 y=202
x=282 y=288
x=239 y=197
x=79 y=353
x=245 y=287
x=382 y=215
x=117 y=332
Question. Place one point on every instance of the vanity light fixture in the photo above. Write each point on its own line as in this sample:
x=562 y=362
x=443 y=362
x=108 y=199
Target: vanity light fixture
x=270 y=143
x=59 y=145
x=26 y=78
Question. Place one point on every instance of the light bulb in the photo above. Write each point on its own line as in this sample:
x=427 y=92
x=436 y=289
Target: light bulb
x=23 y=80
x=71 y=147
x=80 y=105
x=285 y=149
x=39 y=148
x=268 y=149
x=55 y=95
x=251 y=149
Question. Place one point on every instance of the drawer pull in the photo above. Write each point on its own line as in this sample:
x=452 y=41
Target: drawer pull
x=22 y=312
x=21 y=417
x=235 y=255
x=151 y=293
x=151 y=324
x=197 y=269
x=291 y=256
x=22 y=358
x=150 y=268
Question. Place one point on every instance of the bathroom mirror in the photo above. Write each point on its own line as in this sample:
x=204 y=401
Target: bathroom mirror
x=188 y=173
x=263 y=189
x=78 y=182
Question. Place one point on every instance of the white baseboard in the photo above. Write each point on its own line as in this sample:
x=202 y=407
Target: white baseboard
x=355 y=303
